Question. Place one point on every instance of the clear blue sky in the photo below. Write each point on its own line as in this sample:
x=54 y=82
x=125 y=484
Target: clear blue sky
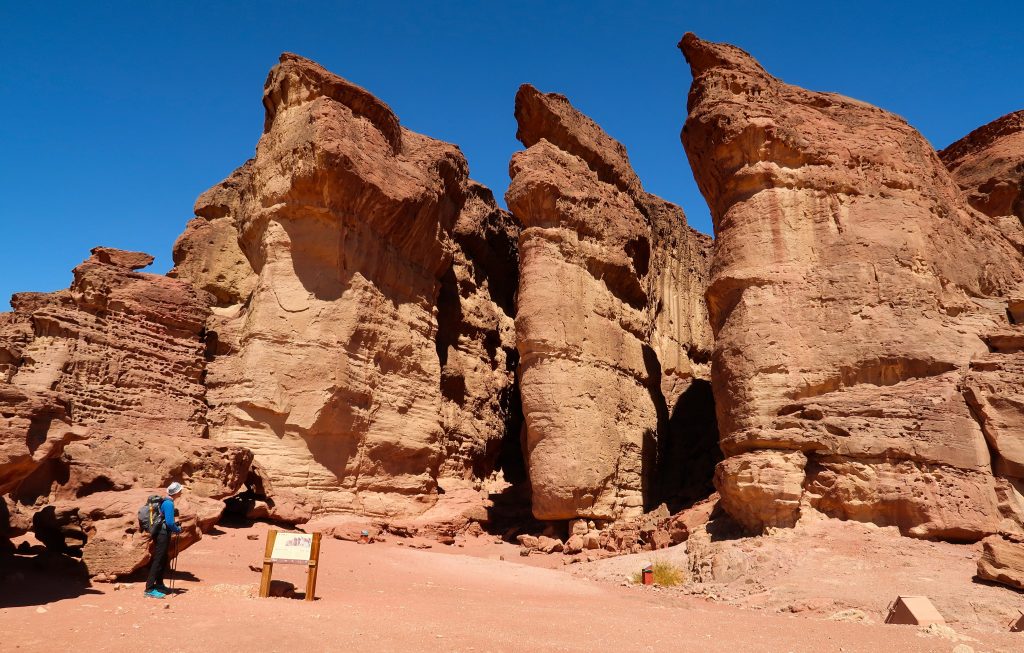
x=114 y=116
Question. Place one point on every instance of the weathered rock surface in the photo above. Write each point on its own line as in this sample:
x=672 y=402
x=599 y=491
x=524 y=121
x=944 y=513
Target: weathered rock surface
x=34 y=427
x=122 y=348
x=851 y=291
x=1002 y=561
x=988 y=164
x=611 y=329
x=103 y=383
x=364 y=291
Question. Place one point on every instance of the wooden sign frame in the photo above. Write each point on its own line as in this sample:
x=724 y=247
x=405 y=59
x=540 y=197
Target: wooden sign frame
x=311 y=565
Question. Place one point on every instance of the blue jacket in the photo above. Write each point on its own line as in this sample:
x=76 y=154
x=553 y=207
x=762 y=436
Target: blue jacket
x=167 y=508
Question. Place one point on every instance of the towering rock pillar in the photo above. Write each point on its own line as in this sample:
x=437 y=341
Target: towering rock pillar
x=852 y=288
x=611 y=327
x=332 y=257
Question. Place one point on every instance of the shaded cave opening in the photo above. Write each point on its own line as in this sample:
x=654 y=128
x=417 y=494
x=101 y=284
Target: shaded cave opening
x=678 y=462
x=688 y=450
x=511 y=509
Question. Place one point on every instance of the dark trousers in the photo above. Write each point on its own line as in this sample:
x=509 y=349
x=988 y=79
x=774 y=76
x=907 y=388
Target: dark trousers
x=162 y=541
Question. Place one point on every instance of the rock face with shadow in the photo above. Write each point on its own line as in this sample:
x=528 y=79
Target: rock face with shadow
x=103 y=383
x=611 y=328
x=361 y=336
x=853 y=291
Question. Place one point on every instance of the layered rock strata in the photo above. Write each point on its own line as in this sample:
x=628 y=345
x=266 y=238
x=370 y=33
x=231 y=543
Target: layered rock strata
x=611 y=329
x=852 y=290
x=364 y=288
x=104 y=384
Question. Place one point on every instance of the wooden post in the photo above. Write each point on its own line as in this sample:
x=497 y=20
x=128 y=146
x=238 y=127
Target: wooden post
x=268 y=566
x=314 y=559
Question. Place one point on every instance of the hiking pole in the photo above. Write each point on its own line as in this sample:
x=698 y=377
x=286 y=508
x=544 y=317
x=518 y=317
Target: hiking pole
x=174 y=562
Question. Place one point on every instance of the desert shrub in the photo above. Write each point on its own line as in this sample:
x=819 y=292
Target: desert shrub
x=666 y=574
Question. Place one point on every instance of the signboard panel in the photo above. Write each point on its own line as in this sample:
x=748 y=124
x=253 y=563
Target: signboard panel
x=292 y=548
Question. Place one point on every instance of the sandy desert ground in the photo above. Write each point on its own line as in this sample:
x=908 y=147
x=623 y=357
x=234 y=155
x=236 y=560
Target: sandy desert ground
x=481 y=595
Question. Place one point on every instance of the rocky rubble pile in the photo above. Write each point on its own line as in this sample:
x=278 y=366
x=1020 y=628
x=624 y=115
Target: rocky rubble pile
x=588 y=540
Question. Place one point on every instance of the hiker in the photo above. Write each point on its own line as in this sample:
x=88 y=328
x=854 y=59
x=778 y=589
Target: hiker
x=155 y=587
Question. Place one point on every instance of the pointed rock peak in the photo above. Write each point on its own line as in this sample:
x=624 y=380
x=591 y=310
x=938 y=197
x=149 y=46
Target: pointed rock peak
x=297 y=80
x=705 y=55
x=550 y=116
x=298 y=58
x=120 y=258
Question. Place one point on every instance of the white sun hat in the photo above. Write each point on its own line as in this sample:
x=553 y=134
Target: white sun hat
x=174 y=488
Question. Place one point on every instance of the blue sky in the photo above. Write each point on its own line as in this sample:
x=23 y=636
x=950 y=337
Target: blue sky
x=114 y=116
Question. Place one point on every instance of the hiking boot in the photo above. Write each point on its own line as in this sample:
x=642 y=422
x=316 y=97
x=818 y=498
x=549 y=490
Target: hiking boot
x=154 y=594
x=163 y=589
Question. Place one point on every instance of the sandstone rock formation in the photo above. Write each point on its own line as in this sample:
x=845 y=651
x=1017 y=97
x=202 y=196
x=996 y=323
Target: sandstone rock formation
x=852 y=290
x=611 y=328
x=1002 y=561
x=361 y=337
x=103 y=383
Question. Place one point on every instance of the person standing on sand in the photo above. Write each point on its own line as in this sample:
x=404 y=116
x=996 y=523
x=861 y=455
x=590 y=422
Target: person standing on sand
x=155 y=587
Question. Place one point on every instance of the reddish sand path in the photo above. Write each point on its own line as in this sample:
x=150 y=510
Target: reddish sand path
x=384 y=597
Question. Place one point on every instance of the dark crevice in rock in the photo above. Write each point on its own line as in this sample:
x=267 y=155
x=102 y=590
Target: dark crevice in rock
x=639 y=250
x=54 y=471
x=689 y=450
x=449 y=315
x=511 y=458
x=59 y=532
x=651 y=459
x=98 y=484
x=975 y=410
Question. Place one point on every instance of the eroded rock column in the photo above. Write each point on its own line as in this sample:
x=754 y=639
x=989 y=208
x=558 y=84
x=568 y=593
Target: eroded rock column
x=609 y=321
x=851 y=289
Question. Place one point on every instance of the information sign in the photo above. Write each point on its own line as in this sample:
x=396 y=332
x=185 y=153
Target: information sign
x=291 y=548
